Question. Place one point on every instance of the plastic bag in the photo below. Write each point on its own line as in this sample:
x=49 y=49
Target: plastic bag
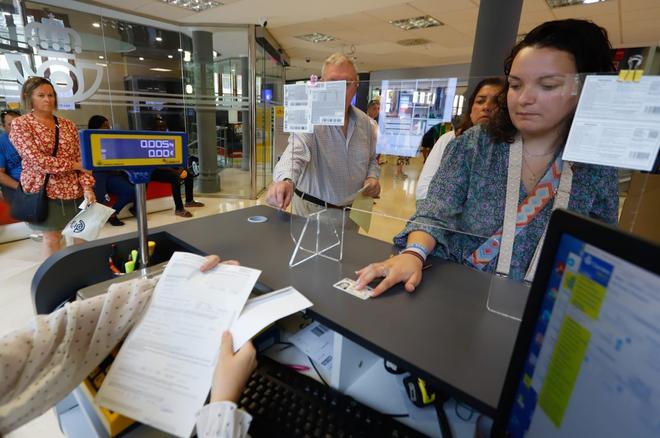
x=88 y=223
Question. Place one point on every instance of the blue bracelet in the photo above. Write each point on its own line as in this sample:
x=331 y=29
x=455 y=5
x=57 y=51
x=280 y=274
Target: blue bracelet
x=420 y=248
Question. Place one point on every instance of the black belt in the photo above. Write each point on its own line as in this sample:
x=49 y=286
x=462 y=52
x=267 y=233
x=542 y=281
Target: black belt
x=314 y=200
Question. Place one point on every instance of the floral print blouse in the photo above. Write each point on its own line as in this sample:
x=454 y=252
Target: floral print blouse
x=468 y=192
x=34 y=141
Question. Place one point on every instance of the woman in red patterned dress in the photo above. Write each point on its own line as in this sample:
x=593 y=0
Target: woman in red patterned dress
x=34 y=137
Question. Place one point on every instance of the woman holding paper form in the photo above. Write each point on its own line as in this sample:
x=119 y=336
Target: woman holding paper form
x=43 y=362
x=50 y=149
x=491 y=199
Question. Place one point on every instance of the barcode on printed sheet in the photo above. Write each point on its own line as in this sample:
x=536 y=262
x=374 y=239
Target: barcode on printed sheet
x=652 y=110
x=330 y=119
x=326 y=361
x=642 y=156
x=319 y=330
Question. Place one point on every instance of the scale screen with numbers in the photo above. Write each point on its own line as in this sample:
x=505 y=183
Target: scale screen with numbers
x=104 y=149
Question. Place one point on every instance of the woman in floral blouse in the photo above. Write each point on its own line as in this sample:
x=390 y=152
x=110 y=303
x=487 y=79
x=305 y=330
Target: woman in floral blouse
x=468 y=194
x=33 y=135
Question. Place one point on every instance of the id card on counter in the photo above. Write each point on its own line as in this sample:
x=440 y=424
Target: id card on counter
x=616 y=123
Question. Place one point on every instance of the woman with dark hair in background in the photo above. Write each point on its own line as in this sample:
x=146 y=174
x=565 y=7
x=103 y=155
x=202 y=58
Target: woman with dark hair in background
x=49 y=145
x=482 y=104
x=111 y=182
x=521 y=150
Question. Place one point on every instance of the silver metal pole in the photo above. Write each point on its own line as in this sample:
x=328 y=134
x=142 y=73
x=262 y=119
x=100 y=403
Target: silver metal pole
x=252 y=97
x=143 y=231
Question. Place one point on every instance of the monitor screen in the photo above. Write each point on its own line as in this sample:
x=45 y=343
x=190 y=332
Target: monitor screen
x=593 y=365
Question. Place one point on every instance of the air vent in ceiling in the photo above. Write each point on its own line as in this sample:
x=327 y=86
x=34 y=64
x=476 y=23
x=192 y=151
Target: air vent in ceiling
x=413 y=42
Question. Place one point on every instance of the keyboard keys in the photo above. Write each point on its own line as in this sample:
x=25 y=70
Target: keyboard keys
x=284 y=403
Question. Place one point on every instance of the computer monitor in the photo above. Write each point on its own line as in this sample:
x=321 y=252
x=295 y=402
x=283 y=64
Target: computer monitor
x=587 y=356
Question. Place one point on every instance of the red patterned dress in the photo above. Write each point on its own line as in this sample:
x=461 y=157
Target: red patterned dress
x=34 y=141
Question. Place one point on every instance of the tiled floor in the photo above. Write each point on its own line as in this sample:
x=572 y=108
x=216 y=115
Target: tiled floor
x=19 y=260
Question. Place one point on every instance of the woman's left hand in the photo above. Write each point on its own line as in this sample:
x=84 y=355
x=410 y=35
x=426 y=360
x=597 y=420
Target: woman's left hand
x=213 y=260
x=90 y=197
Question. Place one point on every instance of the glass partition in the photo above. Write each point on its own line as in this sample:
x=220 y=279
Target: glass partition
x=141 y=74
x=459 y=191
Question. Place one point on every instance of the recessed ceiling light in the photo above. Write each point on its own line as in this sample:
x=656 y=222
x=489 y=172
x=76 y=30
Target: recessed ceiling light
x=97 y=25
x=101 y=64
x=417 y=22
x=160 y=69
x=316 y=37
x=170 y=56
x=179 y=49
x=100 y=56
x=562 y=3
x=159 y=39
x=141 y=58
x=194 y=5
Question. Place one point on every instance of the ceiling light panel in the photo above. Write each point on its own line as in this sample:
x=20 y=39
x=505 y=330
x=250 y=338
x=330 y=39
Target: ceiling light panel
x=316 y=37
x=417 y=22
x=562 y=3
x=194 y=5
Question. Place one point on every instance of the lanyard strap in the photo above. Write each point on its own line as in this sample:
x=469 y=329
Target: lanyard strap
x=561 y=201
x=562 y=197
x=510 y=207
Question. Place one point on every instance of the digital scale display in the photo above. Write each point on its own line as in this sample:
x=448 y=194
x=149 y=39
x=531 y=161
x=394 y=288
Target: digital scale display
x=122 y=148
x=106 y=149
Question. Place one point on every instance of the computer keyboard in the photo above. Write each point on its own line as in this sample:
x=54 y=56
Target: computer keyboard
x=284 y=403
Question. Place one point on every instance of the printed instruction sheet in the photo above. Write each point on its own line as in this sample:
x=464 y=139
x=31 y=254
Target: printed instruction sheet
x=617 y=123
x=163 y=372
x=320 y=103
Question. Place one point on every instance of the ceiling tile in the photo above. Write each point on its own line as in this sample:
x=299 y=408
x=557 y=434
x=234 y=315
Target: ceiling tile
x=587 y=11
x=394 y=12
x=642 y=15
x=643 y=32
x=442 y=9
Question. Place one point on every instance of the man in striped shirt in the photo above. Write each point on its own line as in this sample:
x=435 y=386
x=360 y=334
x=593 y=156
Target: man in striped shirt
x=327 y=168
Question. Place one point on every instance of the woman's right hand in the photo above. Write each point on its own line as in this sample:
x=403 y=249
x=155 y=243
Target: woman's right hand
x=232 y=371
x=403 y=268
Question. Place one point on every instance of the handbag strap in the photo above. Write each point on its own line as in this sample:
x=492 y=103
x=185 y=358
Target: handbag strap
x=57 y=145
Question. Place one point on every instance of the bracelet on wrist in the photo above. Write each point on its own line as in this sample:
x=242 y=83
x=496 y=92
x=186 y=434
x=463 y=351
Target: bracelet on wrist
x=413 y=253
x=418 y=248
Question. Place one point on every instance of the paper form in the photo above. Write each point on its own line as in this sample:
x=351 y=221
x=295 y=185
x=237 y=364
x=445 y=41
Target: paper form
x=328 y=102
x=616 y=123
x=163 y=372
x=306 y=105
x=316 y=341
x=297 y=109
x=361 y=211
x=261 y=311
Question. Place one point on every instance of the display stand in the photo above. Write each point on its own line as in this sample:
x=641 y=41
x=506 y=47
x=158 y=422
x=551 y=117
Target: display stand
x=137 y=153
x=319 y=235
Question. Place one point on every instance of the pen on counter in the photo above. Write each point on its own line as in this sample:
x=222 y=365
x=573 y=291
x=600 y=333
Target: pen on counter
x=112 y=266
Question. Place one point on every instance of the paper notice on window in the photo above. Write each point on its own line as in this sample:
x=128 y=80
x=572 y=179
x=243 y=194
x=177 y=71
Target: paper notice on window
x=328 y=101
x=616 y=123
x=306 y=105
x=163 y=372
x=297 y=109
